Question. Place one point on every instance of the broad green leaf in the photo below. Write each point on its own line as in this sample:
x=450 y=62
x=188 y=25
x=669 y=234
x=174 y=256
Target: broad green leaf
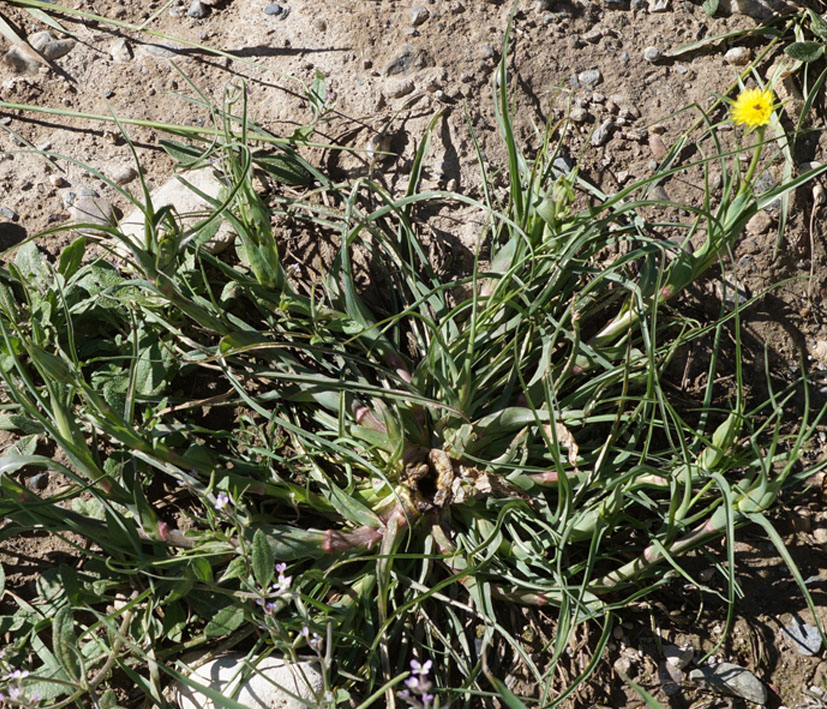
x=224 y=622
x=285 y=167
x=72 y=257
x=805 y=51
x=817 y=24
x=236 y=569
x=264 y=560
x=185 y=154
x=16 y=422
x=64 y=641
x=710 y=7
x=31 y=266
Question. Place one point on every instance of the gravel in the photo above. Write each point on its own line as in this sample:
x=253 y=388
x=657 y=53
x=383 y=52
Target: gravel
x=8 y=213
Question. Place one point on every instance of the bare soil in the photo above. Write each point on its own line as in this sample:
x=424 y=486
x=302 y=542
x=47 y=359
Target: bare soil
x=386 y=75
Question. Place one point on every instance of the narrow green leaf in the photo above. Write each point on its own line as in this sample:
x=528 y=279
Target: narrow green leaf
x=512 y=701
x=228 y=619
x=2 y=580
x=264 y=561
x=64 y=642
x=805 y=51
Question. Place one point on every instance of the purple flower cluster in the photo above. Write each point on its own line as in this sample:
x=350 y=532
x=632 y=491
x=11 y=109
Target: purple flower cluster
x=281 y=587
x=418 y=686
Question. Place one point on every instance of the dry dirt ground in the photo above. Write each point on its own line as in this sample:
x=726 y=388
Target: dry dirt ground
x=390 y=67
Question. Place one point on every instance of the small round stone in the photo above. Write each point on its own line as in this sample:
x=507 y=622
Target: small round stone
x=737 y=56
x=272 y=9
x=652 y=54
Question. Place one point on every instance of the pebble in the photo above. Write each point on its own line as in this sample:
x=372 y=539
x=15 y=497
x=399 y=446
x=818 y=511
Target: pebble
x=652 y=54
x=733 y=680
x=591 y=77
x=302 y=683
x=8 y=213
x=272 y=9
x=198 y=10
x=124 y=175
x=593 y=36
x=579 y=114
x=120 y=51
x=678 y=657
x=656 y=145
x=804 y=638
x=50 y=47
x=21 y=61
x=738 y=56
x=670 y=678
x=603 y=133
x=658 y=5
x=56 y=181
x=561 y=165
x=92 y=210
x=418 y=15
x=759 y=223
x=400 y=87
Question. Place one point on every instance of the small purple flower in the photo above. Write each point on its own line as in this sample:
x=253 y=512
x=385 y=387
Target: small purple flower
x=427 y=699
x=222 y=499
x=421 y=669
x=412 y=683
x=19 y=674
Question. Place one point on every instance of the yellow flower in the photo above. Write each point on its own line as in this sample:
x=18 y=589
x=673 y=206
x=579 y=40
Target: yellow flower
x=753 y=107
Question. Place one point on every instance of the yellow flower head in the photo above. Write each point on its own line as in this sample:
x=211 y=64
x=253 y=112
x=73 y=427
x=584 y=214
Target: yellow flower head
x=753 y=107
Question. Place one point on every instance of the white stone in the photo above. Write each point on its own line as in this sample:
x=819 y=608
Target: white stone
x=269 y=686
x=189 y=208
x=737 y=56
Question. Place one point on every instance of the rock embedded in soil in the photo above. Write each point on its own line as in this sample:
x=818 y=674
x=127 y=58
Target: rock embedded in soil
x=189 y=208
x=120 y=51
x=397 y=88
x=198 y=10
x=678 y=657
x=301 y=682
x=50 y=47
x=590 y=77
x=418 y=15
x=732 y=679
x=22 y=60
x=805 y=639
x=124 y=175
x=658 y=5
x=90 y=209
